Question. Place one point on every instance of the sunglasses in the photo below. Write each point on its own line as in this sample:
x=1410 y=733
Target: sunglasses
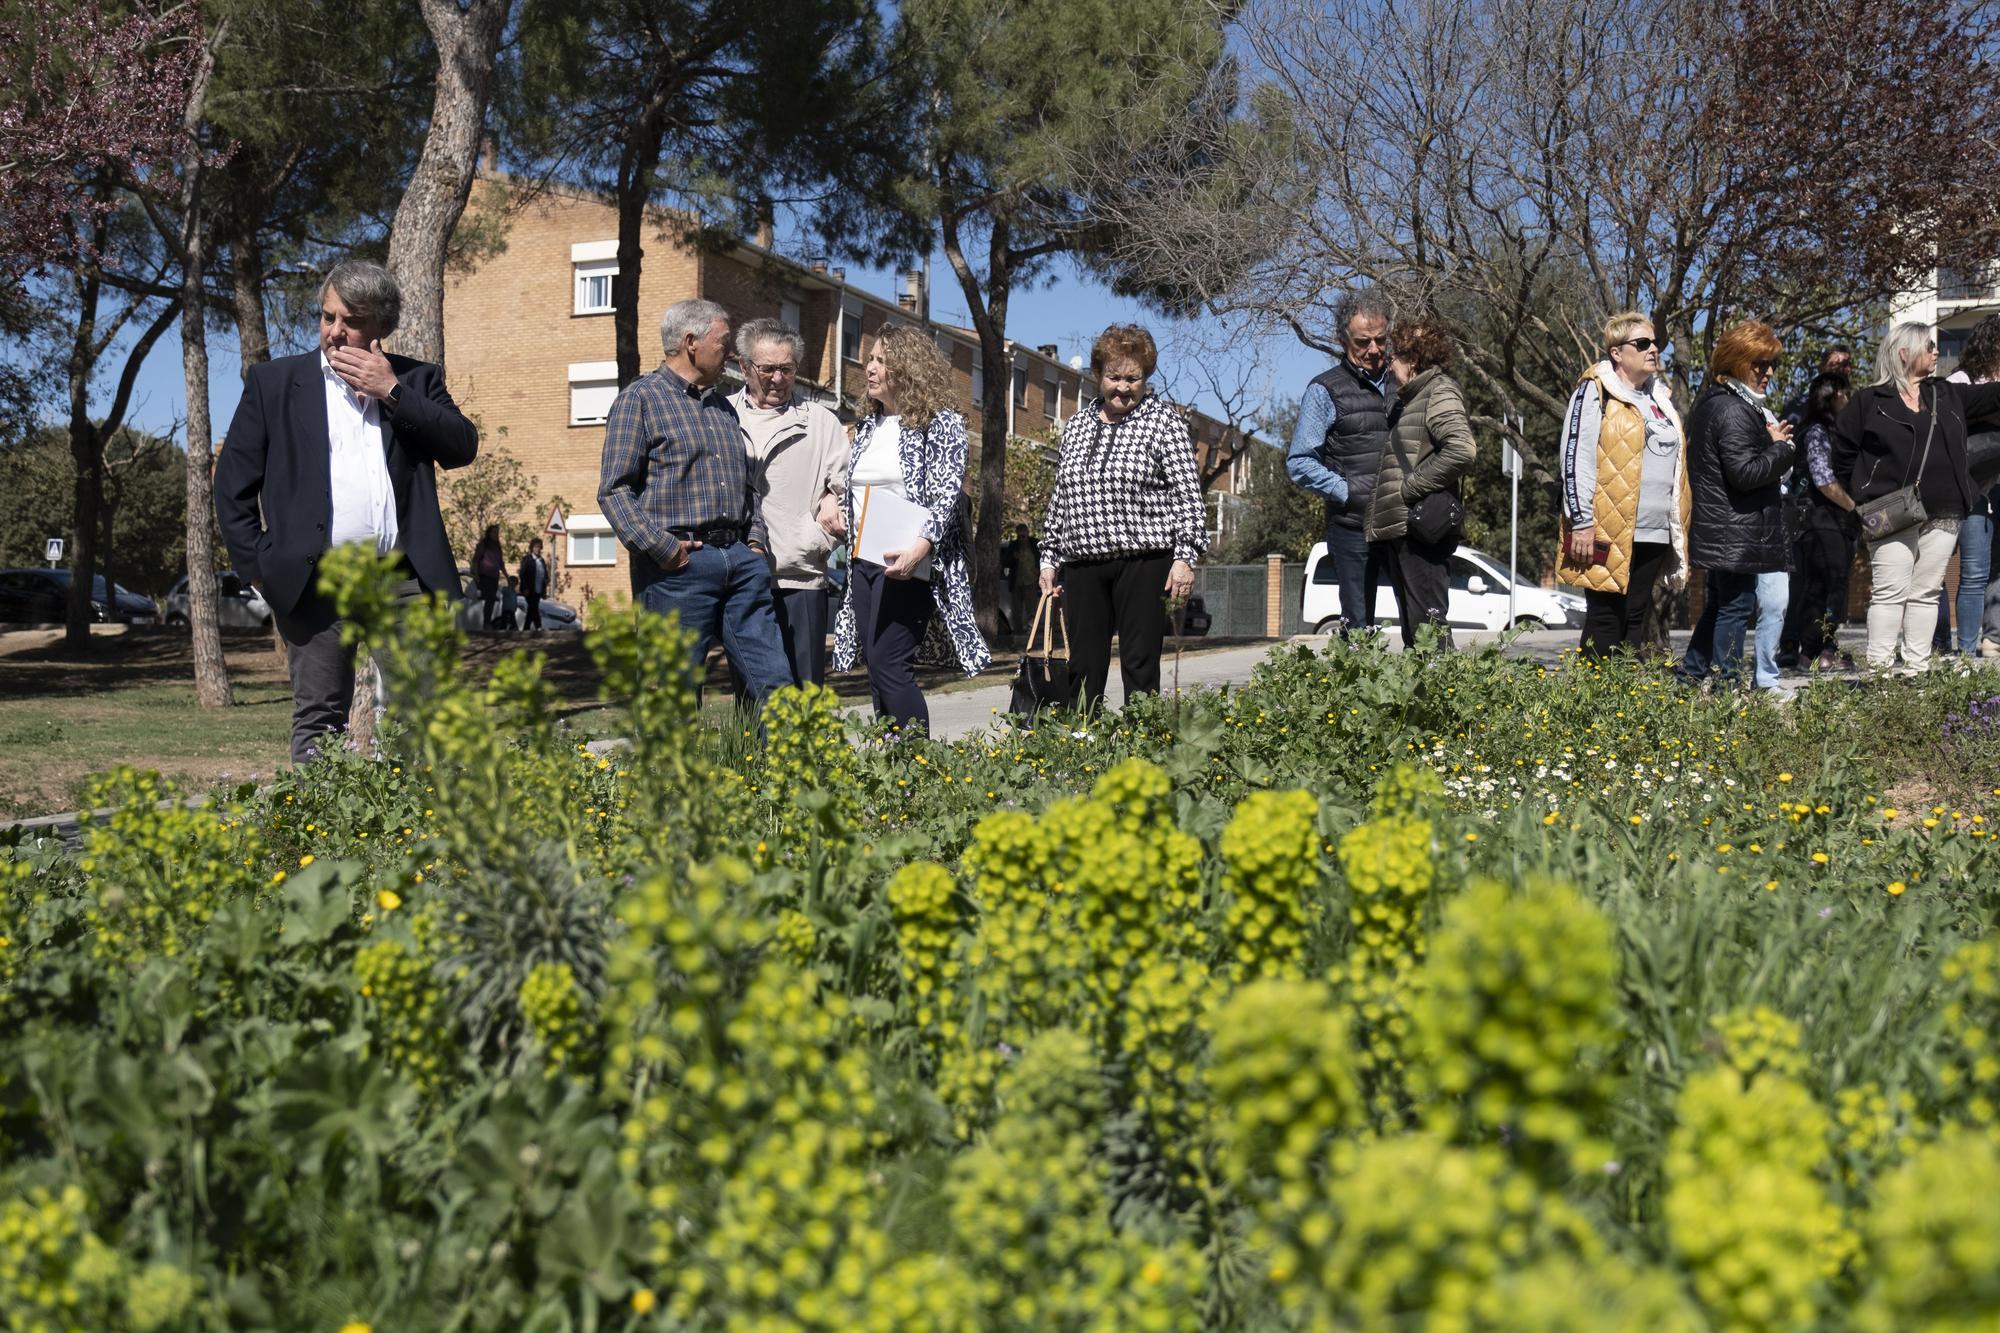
x=1363 y=344
x=1764 y=367
x=1642 y=344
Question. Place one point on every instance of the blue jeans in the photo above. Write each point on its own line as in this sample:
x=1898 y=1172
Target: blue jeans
x=1359 y=567
x=1975 y=568
x=724 y=592
x=1774 y=593
x=1717 y=644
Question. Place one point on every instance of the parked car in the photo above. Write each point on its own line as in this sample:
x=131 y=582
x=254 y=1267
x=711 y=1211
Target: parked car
x=1479 y=586
x=238 y=605
x=41 y=597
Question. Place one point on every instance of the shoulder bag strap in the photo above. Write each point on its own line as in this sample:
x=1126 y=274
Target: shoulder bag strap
x=1929 y=435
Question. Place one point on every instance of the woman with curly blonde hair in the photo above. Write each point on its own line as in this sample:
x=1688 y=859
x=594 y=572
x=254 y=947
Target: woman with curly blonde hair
x=912 y=444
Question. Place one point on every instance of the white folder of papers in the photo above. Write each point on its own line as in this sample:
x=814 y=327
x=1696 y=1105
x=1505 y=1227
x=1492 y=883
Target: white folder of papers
x=884 y=522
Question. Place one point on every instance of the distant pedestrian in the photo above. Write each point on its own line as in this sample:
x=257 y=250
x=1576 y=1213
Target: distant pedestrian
x=1978 y=602
x=489 y=562
x=1910 y=429
x=1021 y=570
x=534 y=583
x=510 y=604
x=1124 y=526
x=1827 y=532
x=798 y=463
x=1429 y=448
x=1738 y=453
x=1835 y=360
x=912 y=444
x=1622 y=461
x=337 y=446
x=675 y=485
x=1336 y=446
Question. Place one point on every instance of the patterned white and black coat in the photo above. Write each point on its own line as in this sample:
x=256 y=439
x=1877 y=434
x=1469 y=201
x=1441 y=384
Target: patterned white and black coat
x=933 y=476
x=1125 y=489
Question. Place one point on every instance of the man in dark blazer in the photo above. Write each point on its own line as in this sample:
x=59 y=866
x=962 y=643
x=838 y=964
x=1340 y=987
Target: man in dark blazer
x=335 y=446
x=534 y=579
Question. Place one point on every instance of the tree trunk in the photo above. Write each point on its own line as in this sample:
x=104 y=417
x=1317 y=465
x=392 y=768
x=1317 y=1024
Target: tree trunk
x=86 y=451
x=246 y=285
x=468 y=42
x=636 y=165
x=253 y=341
x=211 y=672
x=990 y=532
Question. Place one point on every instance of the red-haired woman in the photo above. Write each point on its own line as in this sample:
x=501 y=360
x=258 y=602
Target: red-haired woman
x=1124 y=526
x=1739 y=453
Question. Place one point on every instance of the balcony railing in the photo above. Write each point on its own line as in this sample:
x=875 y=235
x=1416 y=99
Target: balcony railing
x=1977 y=285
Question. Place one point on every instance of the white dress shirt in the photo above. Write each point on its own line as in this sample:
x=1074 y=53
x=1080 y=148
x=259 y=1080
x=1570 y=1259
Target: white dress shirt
x=364 y=501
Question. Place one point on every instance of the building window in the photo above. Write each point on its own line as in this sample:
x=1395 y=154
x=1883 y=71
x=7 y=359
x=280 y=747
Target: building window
x=593 y=287
x=791 y=315
x=978 y=378
x=592 y=387
x=591 y=541
x=1020 y=385
x=850 y=333
x=1051 y=394
x=594 y=264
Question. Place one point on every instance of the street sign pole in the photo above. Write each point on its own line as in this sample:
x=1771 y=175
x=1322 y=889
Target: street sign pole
x=1510 y=463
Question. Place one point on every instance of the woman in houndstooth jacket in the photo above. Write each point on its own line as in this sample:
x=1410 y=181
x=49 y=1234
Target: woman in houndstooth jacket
x=1124 y=525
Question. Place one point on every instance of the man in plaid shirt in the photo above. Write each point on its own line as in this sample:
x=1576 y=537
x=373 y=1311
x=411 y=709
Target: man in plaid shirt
x=675 y=487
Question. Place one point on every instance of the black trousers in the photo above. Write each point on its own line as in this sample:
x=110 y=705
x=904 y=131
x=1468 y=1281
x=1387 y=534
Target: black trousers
x=1618 y=619
x=802 y=626
x=534 y=613
x=1825 y=555
x=1421 y=578
x=1127 y=593
x=890 y=617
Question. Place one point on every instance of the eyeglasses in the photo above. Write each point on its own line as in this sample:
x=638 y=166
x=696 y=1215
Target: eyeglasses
x=772 y=372
x=1363 y=344
x=1764 y=367
x=1642 y=344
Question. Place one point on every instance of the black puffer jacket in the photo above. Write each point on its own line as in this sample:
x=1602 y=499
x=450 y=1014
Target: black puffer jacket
x=1734 y=467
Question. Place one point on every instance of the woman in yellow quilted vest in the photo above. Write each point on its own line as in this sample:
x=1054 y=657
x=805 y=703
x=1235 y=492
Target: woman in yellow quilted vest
x=1625 y=498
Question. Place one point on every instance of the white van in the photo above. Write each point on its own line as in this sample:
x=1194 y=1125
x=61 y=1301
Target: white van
x=1478 y=597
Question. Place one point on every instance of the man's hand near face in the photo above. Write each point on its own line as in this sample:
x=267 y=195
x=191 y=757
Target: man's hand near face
x=364 y=369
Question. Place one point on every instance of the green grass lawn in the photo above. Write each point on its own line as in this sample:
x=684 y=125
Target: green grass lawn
x=66 y=715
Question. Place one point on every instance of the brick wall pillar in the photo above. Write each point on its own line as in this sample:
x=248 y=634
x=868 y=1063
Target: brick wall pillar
x=1274 y=594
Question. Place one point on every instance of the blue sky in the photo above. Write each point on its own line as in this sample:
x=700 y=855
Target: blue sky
x=1069 y=311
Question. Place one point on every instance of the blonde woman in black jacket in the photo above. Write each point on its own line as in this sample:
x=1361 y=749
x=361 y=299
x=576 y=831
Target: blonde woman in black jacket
x=1909 y=429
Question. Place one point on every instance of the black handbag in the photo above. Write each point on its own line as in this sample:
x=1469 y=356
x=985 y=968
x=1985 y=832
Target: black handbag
x=1042 y=680
x=1438 y=519
x=1901 y=509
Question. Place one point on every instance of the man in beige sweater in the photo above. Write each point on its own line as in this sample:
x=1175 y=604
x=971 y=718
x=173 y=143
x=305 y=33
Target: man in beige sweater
x=798 y=465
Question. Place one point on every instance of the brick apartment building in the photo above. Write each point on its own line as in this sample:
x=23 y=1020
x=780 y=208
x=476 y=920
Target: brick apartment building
x=530 y=356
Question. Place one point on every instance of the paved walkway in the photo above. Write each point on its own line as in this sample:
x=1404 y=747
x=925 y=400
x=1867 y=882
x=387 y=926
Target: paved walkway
x=965 y=711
